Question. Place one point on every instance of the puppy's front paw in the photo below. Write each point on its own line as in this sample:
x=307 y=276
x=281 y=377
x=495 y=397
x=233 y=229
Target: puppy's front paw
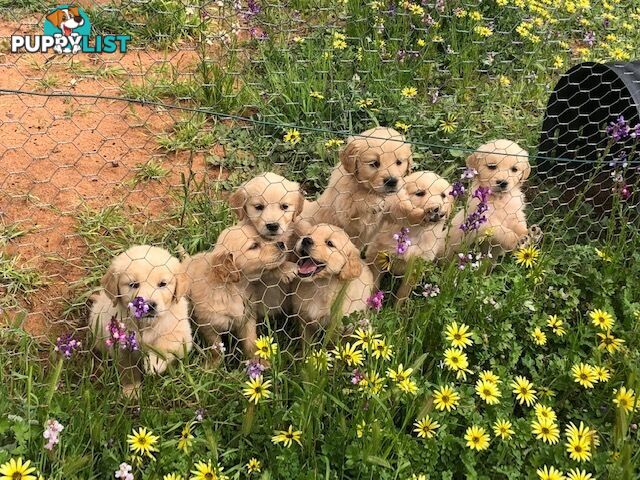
x=155 y=364
x=288 y=271
x=535 y=233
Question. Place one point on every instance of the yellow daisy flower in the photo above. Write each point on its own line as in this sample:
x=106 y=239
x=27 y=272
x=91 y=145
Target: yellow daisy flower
x=455 y=359
x=488 y=392
x=349 y=354
x=503 y=429
x=544 y=412
x=489 y=376
x=601 y=319
x=372 y=383
x=364 y=338
x=556 y=325
x=292 y=136
x=142 y=442
x=504 y=81
x=584 y=374
x=577 y=474
x=523 y=388
x=527 y=256
x=477 y=438
x=546 y=430
x=603 y=374
x=17 y=470
x=538 y=336
x=409 y=92
x=625 y=399
x=253 y=466
x=205 y=471
x=320 y=359
x=549 y=473
x=446 y=398
x=381 y=350
x=400 y=374
x=426 y=427
x=287 y=437
x=186 y=438
x=609 y=343
x=402 y=126
x=266 y=346
x=333 y=142
x=449 y=125
x=408 y=386
x=421 y=42
x=603 y=255
x=256 y=389
x=316 y=94
x=172 y=476
x=483 y=30
x=459 y=336
x=579 y=449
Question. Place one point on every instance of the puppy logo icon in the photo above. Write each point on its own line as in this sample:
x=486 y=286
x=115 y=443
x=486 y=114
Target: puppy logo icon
x=70 y=22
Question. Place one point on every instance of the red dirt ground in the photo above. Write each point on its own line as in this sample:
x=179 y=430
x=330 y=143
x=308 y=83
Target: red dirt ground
x=60 y=154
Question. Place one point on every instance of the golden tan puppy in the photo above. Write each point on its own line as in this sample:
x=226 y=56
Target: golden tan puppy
x=502 y=166
x=270 y=203
x=422 y=206
x=327 y=262
x=163 y=332
x=372 y=166
x=226 y=284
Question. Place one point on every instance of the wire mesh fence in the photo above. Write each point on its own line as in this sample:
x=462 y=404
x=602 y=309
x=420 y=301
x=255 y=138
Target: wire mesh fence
x=252 y=181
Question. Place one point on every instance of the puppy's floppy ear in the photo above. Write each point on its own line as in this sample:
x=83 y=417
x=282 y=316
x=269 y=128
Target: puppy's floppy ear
x=237 y=201
x=56 y=17
x=110 y=285
x=353 y=268
x=183 y=283
x=527 y=166
x=74 y=11
x=222 y=268
x=350 y=153
x=473 y=160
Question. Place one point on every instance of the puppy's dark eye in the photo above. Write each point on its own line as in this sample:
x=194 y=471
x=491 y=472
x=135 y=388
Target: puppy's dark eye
x=284 y=206
x=134 y=285
x=514 y=169
x=493 y=166
x=330 y=244
x=398 y=162
x=443 y=195
x=254 y=246
x=375 y=164
x=162 y=284
x=420 y=193
x=259 y=207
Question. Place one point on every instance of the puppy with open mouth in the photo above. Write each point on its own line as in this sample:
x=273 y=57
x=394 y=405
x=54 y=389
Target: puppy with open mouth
x=143 y=293
x=327 y=263
x=415 y=225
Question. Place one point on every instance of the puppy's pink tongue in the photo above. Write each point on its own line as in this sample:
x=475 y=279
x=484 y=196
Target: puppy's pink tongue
x=307 y=267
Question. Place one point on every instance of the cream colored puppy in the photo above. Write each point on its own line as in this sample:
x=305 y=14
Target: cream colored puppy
x=372 y=166
x=226 y=284
x=270 y=203
x=502 y=166
x=163 y=332
x=328 y=262
x=422 y=206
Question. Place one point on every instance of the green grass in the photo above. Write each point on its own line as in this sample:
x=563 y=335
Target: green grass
x=150 y=171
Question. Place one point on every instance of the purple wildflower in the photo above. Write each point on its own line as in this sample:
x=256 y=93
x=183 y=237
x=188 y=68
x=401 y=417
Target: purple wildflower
x=258 y=34
x=200 y=414
x=590 y=38
x=440 y=5
x=119 y=336
x=375 y=300
x=457 y=190
x=254 y=368
x=471 y=259
x=253 y=8
x=51 y=432
x=357 y=377
x=428 y=20
x=477 y=217
x=402 y=241
x=66 y=345
x=619 y=130
x=124 y=472
x=468 y=174
x=139 y=307
x=430 y=290
x=636 y=131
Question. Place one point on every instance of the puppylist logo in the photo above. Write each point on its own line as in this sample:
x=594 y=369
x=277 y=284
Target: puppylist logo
x=67 y=29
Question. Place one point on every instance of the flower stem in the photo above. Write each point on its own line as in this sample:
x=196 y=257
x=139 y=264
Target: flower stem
x=53 y=382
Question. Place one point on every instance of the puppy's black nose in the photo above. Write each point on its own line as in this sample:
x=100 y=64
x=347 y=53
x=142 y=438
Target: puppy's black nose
x=78 y=19
x=307 y=241
x=503 y=184
x=280 y=245
x=152 y=306
x=391 y=182
x=273 y=227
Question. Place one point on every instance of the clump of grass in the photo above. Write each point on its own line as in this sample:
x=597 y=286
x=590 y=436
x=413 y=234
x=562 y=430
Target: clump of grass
x=193 y=133
x=150 y=171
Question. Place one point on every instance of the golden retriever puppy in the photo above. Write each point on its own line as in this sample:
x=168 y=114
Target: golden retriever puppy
x=226 y=284
x=415 y=225
x=372 y=166
x=270 y=203
x=327 y=262
x=502 y=166
x=153 y=278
